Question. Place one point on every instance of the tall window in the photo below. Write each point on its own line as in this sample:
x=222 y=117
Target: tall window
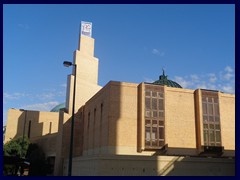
x=211 y=119
x=154 y=117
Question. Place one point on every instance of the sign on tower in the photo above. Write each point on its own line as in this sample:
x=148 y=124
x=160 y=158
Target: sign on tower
x=86 y=28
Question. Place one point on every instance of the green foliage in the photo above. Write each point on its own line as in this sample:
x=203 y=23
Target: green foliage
x=36 y=157
x=16 y=147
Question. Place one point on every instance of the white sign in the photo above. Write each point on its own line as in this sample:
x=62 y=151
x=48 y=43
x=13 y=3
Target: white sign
x=86 y=28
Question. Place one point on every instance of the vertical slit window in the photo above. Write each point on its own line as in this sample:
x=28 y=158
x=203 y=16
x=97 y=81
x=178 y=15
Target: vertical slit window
x=29 y=128
x=50 y=127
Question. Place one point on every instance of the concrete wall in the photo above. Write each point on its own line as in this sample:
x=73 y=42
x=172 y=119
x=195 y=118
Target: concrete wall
x=122 y=165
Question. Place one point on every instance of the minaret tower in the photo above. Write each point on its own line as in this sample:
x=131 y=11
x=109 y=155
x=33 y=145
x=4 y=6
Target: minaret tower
x=87 y=70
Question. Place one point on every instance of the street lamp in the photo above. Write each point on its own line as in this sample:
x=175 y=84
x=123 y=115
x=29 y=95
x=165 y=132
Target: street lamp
x=25 y=117
x=67 y=64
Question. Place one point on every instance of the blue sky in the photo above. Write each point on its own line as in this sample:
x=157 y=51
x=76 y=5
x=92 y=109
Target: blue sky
x=195 y=44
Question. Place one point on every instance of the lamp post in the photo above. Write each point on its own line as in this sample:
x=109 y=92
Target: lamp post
x=25 y=117
x=67 y=64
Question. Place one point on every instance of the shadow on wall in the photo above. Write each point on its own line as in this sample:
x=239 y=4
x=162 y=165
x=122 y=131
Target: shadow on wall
x=199 y=166
x=28 y=125
x=77 y=135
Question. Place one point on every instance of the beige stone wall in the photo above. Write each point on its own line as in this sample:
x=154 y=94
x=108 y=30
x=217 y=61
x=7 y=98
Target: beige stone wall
x=42 y=123
x=123 y=118
x=180 y=118
x=117 y=133
x=86 y=75
x=96 y=130
x=227 y=120
x=14 y=125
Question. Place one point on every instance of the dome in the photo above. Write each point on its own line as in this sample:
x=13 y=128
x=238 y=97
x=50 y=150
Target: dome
x=58 y=107
x=163 y=80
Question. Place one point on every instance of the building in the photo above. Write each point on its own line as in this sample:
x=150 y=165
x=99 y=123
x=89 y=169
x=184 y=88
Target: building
x=126 y=128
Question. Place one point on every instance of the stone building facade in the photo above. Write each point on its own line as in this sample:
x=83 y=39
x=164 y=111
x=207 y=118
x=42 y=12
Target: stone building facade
x=126 y=128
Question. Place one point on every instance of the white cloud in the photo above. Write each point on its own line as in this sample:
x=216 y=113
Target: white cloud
x=228 y=89
x=64 y=85
x=222 y=81
x=46 y=96
x=183 y=82
x=15 y=95
x=194 y=77
x=148 y=80
x=157 y=52
x=228 y=76
x=41 y=106
x=212 y=77
x=228 y=69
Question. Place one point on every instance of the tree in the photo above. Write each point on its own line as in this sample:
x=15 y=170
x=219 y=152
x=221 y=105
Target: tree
x=36 y=157
x=13 y=151
x=16 y=147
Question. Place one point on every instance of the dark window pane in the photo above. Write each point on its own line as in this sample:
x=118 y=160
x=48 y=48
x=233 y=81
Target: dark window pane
x=212 y=136
x=210 y=109
x=147 y=103
x=154 y=121
x=161 y=114
x=161 y=133
x=216 y=109
x=160 y=104
x=147 y=113
x=160 y=95
x=217 y=119
x=154 y=94
x=205 y=126
x=218 y=136
x=161 y=123
x=215 y=100
x=204 y=99
x=205 y=118
x=154 y=104
x=211 y=126
x=154 y=114
x=147 y=143
x=147 y=130
x=148 y=122
x=210 y=118
x=217 y=126
x=154 y=133
x=204 y=108
x=206 y=136
x=148 y=93
x=161 y=143
x=209 y=99
x=154 y=142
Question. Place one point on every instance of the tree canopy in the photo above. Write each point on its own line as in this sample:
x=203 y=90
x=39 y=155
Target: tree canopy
x=16 y=147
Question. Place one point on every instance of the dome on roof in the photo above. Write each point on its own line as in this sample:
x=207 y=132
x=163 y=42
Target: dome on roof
x=58 y=107
x=163 y=80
